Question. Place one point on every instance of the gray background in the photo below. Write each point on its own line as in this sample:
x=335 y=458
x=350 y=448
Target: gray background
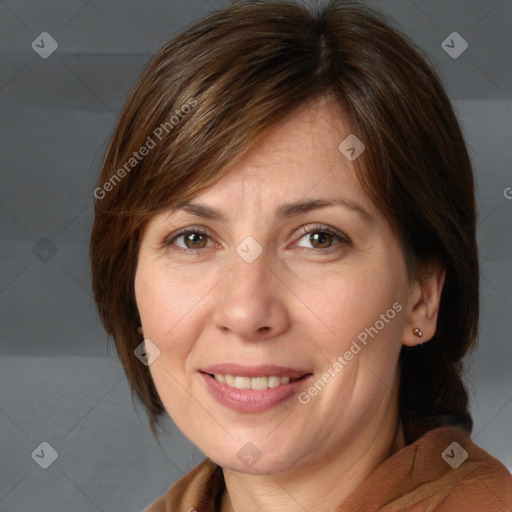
x=57 y=382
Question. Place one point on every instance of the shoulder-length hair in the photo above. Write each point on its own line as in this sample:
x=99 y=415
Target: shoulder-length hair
x=212 y=92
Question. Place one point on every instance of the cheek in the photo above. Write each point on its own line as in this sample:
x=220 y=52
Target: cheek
x=168 y=310
x=162 y=300
x=170 y=313
x=348 y=303
x=360 y=354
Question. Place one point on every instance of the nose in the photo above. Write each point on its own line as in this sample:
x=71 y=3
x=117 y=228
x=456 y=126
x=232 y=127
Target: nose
x=252 y=301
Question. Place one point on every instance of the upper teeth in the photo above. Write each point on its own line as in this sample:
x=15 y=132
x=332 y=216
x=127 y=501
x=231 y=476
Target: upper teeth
x=258 y=383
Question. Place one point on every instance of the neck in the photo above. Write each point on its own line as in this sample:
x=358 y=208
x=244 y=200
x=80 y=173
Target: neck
x=322 y=486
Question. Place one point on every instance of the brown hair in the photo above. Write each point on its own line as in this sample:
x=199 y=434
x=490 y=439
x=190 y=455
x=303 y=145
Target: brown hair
x=241 y=71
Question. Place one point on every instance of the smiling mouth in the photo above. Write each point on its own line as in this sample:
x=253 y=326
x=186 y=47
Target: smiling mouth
x=256 y=383
x=253 y=389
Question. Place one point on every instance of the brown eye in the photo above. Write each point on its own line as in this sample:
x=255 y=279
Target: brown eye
x=195 y=240
x=190 y=239
x=321 y=240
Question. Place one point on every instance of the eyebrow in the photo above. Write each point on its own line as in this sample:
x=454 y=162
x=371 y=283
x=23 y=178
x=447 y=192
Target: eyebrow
x=291 y=209
x=285 y=211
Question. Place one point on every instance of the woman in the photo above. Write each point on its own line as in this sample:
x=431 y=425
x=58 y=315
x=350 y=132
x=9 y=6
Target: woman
x=286 y=217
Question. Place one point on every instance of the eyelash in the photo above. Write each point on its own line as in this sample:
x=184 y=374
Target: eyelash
x=342 y=238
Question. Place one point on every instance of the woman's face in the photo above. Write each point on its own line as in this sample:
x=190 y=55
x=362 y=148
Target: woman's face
x=285 y=282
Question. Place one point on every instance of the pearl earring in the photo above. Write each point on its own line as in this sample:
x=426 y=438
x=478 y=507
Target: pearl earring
x=417 y=332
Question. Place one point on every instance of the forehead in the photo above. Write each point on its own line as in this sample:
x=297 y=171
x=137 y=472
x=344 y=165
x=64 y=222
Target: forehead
x=298 y=158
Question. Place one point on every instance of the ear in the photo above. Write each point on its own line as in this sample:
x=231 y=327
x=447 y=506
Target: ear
x=139 y=330
x=423 y=304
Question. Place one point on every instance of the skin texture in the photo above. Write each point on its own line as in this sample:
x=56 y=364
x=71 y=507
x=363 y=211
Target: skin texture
x=297 y=305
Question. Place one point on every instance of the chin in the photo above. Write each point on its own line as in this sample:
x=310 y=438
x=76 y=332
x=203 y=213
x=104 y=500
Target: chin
x=250 y=460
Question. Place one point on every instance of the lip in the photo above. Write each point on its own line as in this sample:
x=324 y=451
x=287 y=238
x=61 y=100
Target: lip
x=255 y=370
x=250 y=400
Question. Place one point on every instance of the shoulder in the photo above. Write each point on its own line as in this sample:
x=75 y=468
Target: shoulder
x=443 y=470
x=476 y=477
x=454 y=471
x=201 y=487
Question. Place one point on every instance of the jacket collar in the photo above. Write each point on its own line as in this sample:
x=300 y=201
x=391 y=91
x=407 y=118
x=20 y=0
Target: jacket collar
x=442 y=471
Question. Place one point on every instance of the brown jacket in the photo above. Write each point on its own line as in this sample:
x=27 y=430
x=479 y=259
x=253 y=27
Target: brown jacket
x=429 y=475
